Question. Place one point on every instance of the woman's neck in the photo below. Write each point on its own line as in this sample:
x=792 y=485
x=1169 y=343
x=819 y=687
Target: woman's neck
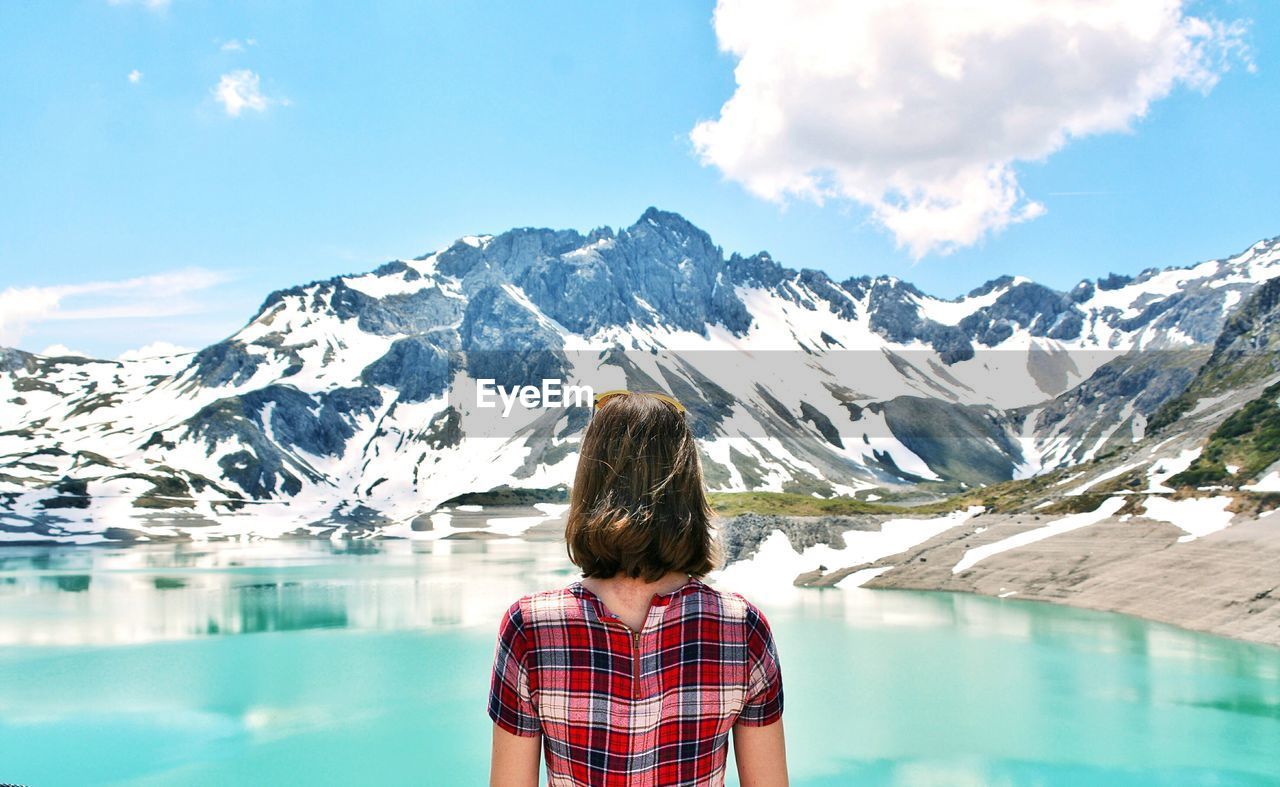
x=629 y=597
x=636 y=586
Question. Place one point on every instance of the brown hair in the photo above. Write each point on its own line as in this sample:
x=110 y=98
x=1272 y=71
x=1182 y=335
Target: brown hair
x=638 y=506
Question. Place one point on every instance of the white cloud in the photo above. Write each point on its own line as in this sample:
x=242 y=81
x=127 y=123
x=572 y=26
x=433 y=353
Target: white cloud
x=135 y=76
x=158 y=295
x=153 y=350
x=240 y=90
x=236 y=45
x=919 y=109
x=61 y=351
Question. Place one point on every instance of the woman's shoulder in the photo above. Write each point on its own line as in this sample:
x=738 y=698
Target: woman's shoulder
x=744 y=615
x=730 y=603
x=545 y=605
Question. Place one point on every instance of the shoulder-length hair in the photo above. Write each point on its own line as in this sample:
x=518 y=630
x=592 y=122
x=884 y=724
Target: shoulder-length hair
x=638 y=506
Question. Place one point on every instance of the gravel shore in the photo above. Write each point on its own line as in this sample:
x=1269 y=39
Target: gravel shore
x=1226 y=583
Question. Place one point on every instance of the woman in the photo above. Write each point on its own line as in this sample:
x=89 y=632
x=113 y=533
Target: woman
x=635 y=674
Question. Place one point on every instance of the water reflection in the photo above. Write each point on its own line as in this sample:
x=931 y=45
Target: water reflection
x=882 y=686
x=104 y=595
x=91 y=595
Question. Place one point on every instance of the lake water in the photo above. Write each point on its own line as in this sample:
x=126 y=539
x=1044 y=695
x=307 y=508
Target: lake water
x=368 y=663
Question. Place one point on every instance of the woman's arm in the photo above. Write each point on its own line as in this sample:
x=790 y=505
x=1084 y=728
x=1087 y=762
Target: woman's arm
x=761 y=755
x=515 y=759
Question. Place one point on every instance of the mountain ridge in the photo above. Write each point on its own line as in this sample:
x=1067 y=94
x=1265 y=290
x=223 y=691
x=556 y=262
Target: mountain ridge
x=760 y=267
x=349 y=393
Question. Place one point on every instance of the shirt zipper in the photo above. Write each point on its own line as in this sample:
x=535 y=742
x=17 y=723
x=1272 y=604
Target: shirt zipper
x=635 y=665
x=635 y=678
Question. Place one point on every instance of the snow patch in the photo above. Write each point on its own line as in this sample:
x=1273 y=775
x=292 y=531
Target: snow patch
x=776 y=564
x=1114 y=472
x=1198 y=516
x=1064 y=525
x=1164 y=469
x=1268 y=483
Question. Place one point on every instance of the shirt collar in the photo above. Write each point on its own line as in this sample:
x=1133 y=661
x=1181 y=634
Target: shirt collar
x=659 y=599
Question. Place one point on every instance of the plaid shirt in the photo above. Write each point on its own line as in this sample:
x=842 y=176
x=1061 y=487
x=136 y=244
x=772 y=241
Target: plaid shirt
x=617 y=707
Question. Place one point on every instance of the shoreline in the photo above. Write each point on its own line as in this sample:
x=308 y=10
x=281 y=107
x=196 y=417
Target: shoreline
x=1146 y=619
x=1226 y=583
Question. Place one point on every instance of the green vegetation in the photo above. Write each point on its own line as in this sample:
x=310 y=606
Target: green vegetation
x=793 y=504
x=1004 y=496
x=1170 y=412
x=1023 y=495
x=1248 y=438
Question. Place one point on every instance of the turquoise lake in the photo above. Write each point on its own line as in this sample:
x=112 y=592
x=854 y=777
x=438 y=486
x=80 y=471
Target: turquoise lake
x=368 y=663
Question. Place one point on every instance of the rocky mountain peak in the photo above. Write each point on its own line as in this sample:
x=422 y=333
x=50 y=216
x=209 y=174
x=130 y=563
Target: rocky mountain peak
x=337 y=392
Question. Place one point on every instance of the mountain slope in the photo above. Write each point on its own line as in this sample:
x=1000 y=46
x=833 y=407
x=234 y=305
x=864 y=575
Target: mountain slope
x=1178 y=527
x=352 y=406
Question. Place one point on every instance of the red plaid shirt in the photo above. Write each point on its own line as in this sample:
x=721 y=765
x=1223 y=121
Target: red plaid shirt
x=617 y=707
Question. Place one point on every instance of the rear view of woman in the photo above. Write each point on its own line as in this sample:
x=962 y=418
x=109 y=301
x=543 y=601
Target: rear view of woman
x=636 y=674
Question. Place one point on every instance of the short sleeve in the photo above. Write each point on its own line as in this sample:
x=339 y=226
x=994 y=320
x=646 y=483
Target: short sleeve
x=763 y=705
x=510 y=701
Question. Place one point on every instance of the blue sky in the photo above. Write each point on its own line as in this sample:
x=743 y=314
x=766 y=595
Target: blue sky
x=388 y=129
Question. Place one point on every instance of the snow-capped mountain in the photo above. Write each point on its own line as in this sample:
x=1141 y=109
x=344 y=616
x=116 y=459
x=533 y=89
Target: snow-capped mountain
x=352 y=405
